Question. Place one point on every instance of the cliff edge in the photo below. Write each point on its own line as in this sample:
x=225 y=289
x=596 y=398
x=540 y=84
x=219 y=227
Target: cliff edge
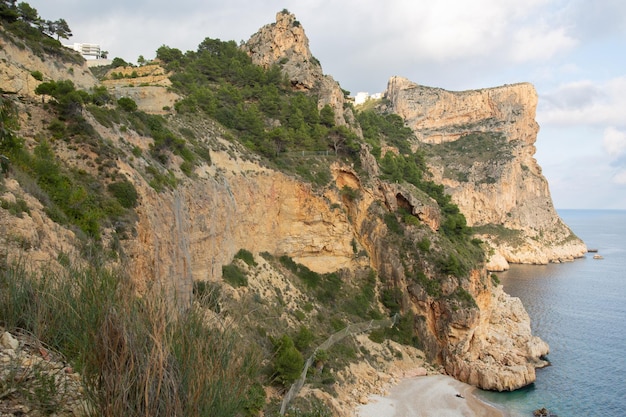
x=481 y=145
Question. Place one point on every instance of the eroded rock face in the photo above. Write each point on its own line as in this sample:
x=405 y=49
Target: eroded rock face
x=508 y=190
x=17 y=66
x=148 y=85
x=285 y=43
x=497 y=350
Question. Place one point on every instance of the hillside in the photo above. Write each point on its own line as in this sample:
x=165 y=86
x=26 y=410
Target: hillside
x=229 y=207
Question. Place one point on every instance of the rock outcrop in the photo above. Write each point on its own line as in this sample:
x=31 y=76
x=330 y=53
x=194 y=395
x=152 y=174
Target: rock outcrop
x=284 y=43
x=186 y=234
x=17 y=66
x=493 y=176
x=148 y=85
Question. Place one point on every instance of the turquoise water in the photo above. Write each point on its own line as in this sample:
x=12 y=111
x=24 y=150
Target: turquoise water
x=579 y=308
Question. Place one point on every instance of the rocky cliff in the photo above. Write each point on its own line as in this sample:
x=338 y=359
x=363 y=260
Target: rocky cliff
x=285 y=43
x=188 y=232
x=481 y=144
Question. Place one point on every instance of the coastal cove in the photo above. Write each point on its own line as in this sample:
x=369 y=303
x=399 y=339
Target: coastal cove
x=579 y=308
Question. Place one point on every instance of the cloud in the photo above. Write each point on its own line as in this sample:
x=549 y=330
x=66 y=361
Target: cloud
x=585 y=102
x=614 y=142
x=620 y=178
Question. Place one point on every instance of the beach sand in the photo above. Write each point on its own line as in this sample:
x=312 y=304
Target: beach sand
x=428 y=396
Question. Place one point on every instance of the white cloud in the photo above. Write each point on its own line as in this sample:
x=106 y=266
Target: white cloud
x=585 y=102
x=620 y=178
x=614 y=142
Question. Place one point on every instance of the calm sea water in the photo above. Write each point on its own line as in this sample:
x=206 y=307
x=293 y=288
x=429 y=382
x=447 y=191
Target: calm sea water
x=579 y=308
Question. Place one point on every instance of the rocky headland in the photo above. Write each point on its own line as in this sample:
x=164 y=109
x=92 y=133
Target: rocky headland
x=468 y=327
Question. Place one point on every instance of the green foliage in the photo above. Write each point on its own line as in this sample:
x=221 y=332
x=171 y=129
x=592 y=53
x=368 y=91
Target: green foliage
x=255 y=400
x=232 y=274
x=288 y=362
x=432 y=286
x=479 y=153
x=220 y=80
x=326 y=286
x=124 y=192
x=208 y=294
x=360 y=304
x=24 y=22
x=424 y=244
x=404 y=331
x=15 y=208
x=495 y=280
x=303 y=338
x=72 y=192
x=388 y=127
x=349 y=193
x=127 y=104
x=391 y=298
x=133 y=358
x=37 y=75
x=118 y=62
x=464 y=297
x=246 y=256
x=451 y=265
x=393 y=225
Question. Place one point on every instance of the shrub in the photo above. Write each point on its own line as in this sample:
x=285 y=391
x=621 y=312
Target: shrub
x=392 y=299
x=127 y=104
x=124 y=192
x=392 y=223
x=495 y=279
x=303 y=338
x=234 y=276
x=246 y=256
x=37 y=75
x=289 y=362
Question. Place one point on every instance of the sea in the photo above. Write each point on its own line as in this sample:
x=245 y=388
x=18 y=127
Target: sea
x=579 y=308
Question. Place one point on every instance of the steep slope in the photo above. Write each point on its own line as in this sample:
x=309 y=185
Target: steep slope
x=481 y=144
x=285 y=43
x=191 y=219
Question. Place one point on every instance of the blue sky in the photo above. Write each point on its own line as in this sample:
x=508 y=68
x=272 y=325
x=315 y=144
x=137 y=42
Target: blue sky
x=573 y=52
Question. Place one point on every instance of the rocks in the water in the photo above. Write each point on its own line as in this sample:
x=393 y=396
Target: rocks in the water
x=543 y=412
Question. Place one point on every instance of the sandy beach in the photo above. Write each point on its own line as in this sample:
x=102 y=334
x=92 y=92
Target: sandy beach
x=428 y=396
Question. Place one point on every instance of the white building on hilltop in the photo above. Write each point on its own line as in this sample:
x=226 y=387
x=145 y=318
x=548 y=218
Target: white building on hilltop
x=87 y=50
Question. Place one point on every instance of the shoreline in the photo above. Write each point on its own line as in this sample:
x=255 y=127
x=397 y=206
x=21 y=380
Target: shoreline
x=429 y=396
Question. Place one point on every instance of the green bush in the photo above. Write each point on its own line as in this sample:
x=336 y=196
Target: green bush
x=303 y=338
x=288 y=363
x=127 y=104
x=125 y=192
x=495 y=280
x=392 y=223
x=246 y=256
x=234 y=276
x=37 y=75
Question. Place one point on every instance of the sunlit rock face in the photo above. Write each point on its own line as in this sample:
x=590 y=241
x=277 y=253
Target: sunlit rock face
x=482 y=144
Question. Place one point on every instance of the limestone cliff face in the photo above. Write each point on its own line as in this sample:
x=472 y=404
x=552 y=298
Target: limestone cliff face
x=188 y=233
x=284 y=43
x=147 y=85
x=17 y=65
x=507 y=191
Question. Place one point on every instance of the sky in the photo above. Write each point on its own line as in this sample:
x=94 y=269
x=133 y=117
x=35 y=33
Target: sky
x=573 y=52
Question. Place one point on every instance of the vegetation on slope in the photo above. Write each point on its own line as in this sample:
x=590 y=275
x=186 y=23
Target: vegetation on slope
x=136 y=358
x=220 y=80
